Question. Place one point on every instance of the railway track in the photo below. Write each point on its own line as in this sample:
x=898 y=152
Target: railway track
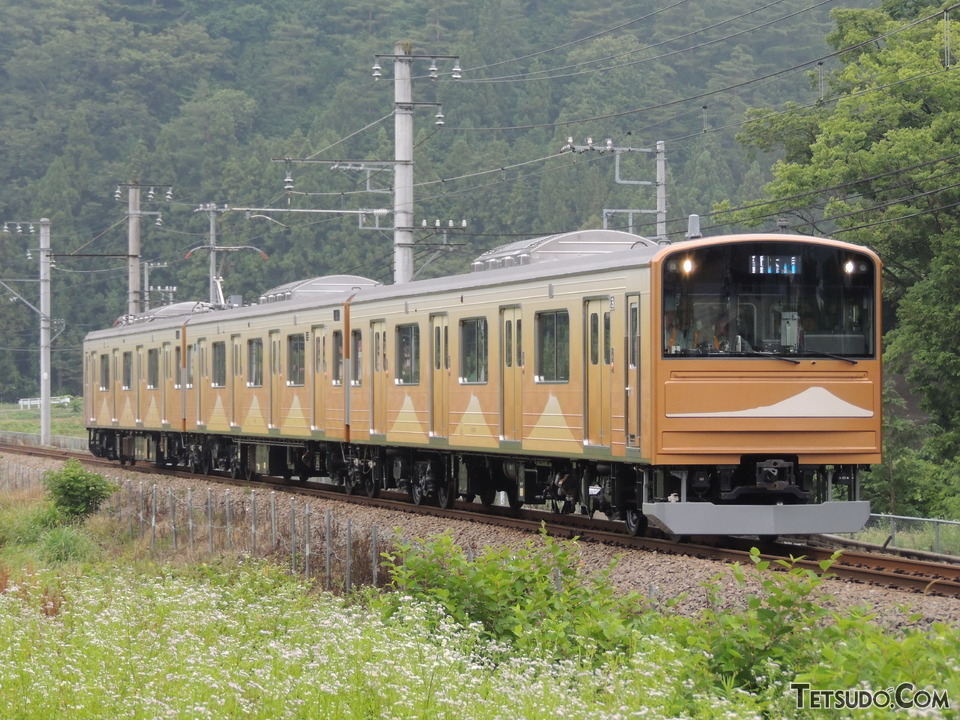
x=937 y=575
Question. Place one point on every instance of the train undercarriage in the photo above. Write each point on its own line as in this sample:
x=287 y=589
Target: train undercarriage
x=762 y=495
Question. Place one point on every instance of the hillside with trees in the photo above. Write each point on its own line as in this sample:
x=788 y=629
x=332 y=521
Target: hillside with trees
x=835 y=117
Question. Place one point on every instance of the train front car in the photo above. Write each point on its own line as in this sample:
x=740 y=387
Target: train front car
x=768 y=385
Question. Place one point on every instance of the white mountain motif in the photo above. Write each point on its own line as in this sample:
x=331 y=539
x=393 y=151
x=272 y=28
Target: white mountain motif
x=812 y=402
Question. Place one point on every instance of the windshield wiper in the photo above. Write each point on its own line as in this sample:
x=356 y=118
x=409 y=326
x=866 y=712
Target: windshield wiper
x=757 y=353
x=818 y=353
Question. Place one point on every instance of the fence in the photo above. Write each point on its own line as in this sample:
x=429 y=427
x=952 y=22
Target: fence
x=26 y=403
x=899 y=531
x=33 y=440
x=259 y=523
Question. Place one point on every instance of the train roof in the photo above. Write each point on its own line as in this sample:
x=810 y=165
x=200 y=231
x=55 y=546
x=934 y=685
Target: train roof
x=566 y=254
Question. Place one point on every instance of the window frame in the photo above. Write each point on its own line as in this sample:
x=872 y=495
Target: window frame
x=475 y=350
x=552 y=341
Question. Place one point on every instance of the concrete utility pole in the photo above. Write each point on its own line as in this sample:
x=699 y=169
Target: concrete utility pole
x=403 y=170
x=44 y=331
x=45 y=321
x=403 y=106
x=133 y=249
x=660 y=184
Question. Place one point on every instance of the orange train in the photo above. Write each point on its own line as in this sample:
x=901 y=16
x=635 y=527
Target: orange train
x=726 y=385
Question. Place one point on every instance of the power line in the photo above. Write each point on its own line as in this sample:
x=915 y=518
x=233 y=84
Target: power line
x=529 y=76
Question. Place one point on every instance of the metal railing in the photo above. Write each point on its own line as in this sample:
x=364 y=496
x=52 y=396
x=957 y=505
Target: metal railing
x=904 y=532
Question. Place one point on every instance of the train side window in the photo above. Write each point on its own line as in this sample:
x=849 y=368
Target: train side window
x=127 y=370
x=520 y=358
x=296 y=356
x=218 y=377
x=104 y=372
x=356 y=357
x=408 y=354
x=607 y=346
x=319 y=351
x=153 y=368
x=634 y=315
x=337 y=359
x=553 y=346
x=177 y=367
x=255 y=362
x=594 y=338
x=508 y=343
x=473 y=350
x=191 y=352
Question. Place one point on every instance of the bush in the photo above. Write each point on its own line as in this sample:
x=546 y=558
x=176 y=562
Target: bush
x=75 y=491
x=534 y=598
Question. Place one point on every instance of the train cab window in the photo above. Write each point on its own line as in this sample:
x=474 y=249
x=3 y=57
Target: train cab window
x=408 y=354
x=769 y=297
x=104 y=372
x=153 y=368
x=127 y=370
x=296 y=359
x=356 y=357
x=218 y=377
x=337 y=357
x=473 y=350
x=255 y=362
x=553 y=346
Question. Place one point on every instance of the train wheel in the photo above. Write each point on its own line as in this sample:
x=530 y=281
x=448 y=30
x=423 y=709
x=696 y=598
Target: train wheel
x=416 y=492
x=636 y=522
x=372 y=480
x=487 y=496
x=446 y=494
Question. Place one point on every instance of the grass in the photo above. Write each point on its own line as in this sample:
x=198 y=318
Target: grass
x=91 y=628
x=64 y=420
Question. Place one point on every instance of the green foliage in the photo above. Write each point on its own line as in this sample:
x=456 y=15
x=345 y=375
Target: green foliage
x=25 y=523
x=75 y=491
x=67 y=544
x=533 y=597
x=777 y=631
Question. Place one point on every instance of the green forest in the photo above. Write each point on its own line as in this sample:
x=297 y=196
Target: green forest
x=831 y=117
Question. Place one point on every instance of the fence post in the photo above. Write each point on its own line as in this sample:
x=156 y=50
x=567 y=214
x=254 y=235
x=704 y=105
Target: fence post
x=328 y=531
x=273 y=520
x=140 y=508
x=253 y=522
x=190 y=517
x=130 y=500
x=375 y=560
x=210 y=518
x=349 y=553
x=173 y=517
x=293 y=536
x=153 y=519
x=306 y=540
x=229 y=520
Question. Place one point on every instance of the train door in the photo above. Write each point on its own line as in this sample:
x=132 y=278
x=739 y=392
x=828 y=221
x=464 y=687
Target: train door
x=440 y=375
x=115 y=385
x=200 y=380
x=236 y=381
x=632 y=366
x=139 y=380
x=598 y=379
x=511 y=374
x=380 y=379
x=318 y=376
x=276 y=380
x=165 y=377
